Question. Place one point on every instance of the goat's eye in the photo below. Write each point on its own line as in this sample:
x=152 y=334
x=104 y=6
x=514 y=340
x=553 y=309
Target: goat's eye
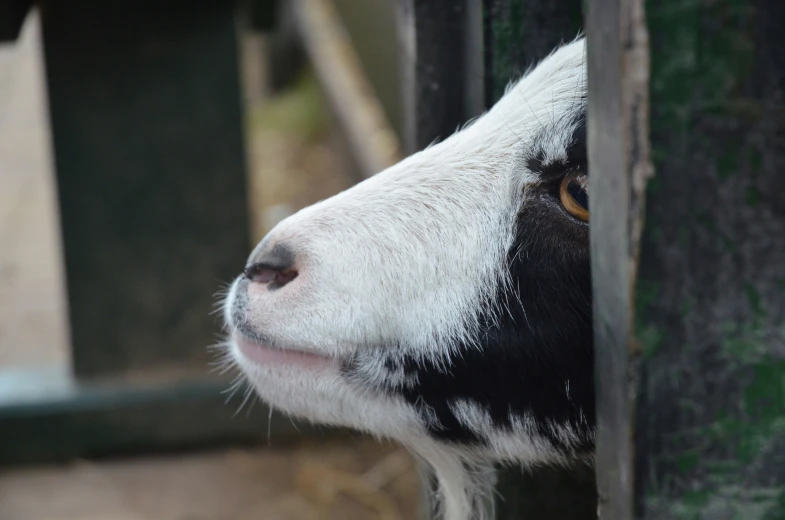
x=574 y=194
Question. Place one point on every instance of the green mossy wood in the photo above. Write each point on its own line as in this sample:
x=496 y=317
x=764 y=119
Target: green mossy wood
x=519 y=33
x=710 y=317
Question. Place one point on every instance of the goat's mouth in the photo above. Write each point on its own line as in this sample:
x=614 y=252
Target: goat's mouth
x=267 y=355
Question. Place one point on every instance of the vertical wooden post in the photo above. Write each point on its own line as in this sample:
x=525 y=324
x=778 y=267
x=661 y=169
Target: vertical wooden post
x=147 y=128
x=519 y=33
x=437 y=78
x=619 y=166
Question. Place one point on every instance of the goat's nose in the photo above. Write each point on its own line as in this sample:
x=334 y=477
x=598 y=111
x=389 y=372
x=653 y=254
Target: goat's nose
x=274 y=267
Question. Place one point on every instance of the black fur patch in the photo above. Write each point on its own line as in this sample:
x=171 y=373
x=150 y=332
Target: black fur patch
x=531 y=355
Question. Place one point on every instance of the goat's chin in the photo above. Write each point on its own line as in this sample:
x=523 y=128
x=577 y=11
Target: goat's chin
x=313 y=389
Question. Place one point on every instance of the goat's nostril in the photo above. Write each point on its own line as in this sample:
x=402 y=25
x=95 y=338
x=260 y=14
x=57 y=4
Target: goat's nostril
x=274 y=266
x=261 y=272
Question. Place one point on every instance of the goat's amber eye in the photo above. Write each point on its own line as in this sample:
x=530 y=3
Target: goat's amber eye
x=574 y=194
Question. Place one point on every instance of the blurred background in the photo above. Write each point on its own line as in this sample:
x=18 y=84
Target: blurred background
x=144 y=148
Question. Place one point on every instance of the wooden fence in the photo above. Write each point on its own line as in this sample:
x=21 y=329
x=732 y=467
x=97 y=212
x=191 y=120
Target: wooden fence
x=686 y=129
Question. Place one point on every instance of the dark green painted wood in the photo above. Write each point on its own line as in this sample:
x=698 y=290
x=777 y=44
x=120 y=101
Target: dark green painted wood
x=123 y=417
x=519 y=33
x=437 y=68
x=12 y=17
x=711 y=290
x=263 y=14
x=285 y=57
x=146 y=121
x=546 y=493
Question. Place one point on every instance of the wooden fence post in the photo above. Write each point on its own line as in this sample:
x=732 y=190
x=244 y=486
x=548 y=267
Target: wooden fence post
x=149 y=153
x=700 y=400
x=617 y=134
x=437 y=78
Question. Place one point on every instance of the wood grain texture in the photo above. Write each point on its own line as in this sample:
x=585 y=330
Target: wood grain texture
x=618 y=71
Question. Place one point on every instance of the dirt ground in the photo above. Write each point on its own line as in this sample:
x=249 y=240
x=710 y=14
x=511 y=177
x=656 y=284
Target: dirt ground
x=292 y=164
x=358 y=481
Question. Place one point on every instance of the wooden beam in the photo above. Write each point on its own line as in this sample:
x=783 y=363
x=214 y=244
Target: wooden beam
x=618 y=70
x=439 y=78
x=371 y=139
x=372 y=28
x=49 y=416
x=519 y=33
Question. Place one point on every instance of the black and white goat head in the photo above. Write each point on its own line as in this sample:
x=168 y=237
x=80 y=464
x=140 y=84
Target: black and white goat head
x=446 y=301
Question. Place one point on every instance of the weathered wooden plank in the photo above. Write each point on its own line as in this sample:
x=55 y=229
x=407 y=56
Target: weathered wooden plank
x=435 y=72
x=48 y=416
x=519 y=33
x=710 y=422
x=617 y=50
x=546 y=493
x=150 y=161
x=372 y=141
x=372 y=28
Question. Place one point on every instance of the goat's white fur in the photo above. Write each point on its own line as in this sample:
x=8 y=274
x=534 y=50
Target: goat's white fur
x=406 y=259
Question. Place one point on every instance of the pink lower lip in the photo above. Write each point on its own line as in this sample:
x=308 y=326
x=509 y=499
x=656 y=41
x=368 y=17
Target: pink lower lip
x=265 y=355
